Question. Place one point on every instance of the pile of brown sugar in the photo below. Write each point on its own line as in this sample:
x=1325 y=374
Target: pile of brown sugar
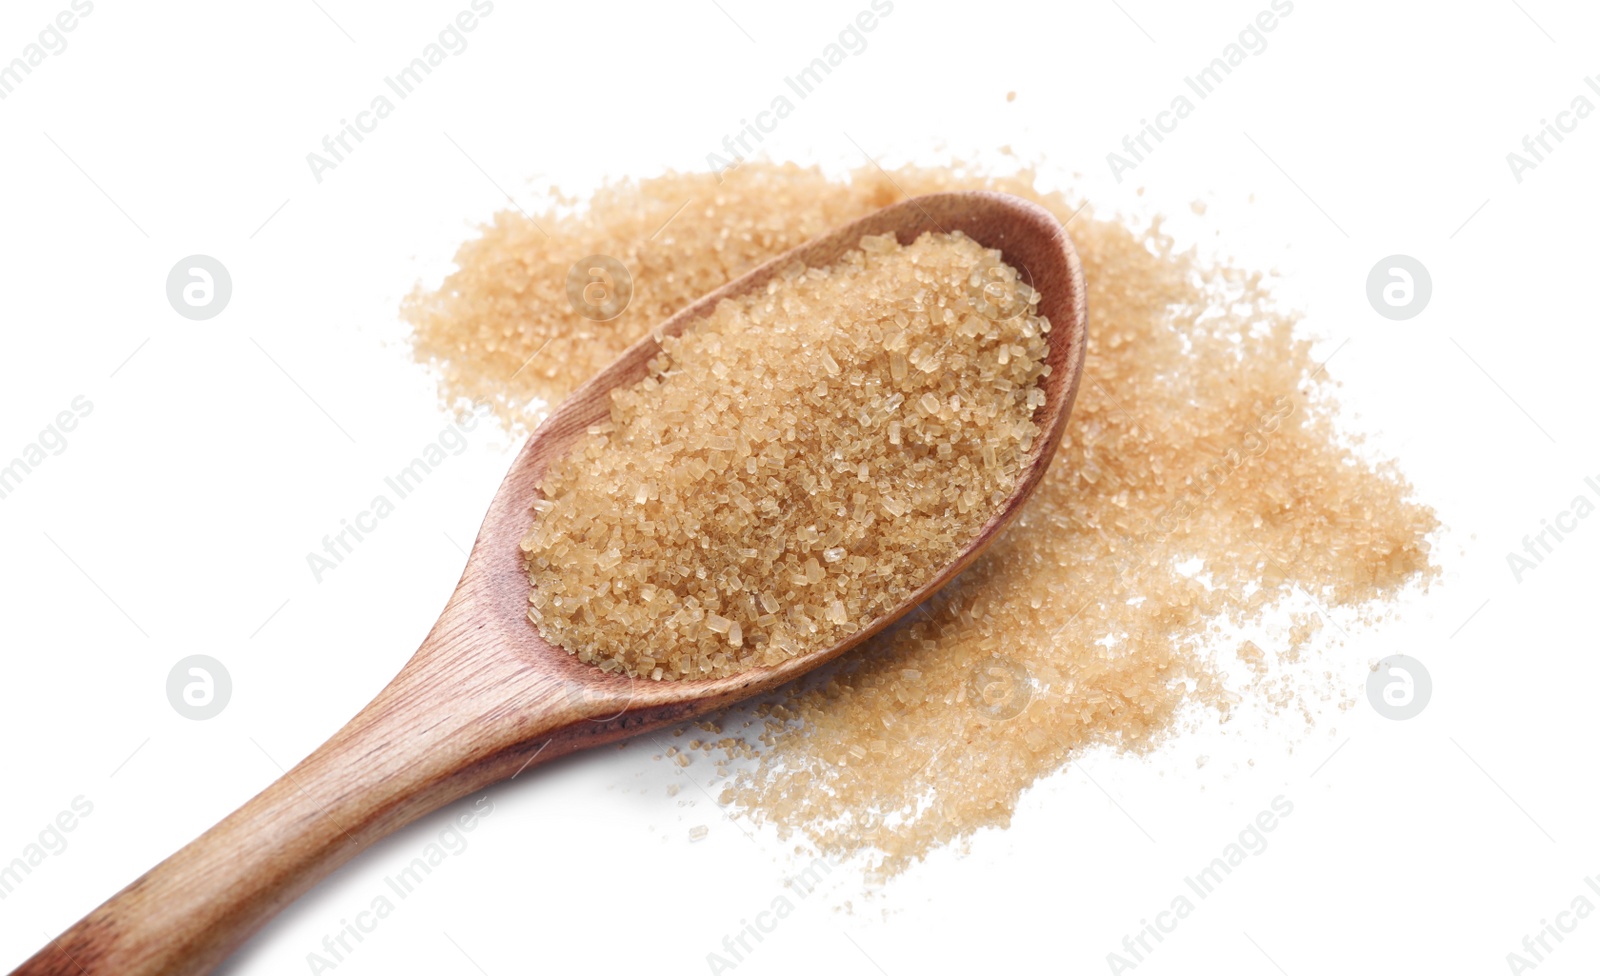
x=794 y=465
x=1202 y=484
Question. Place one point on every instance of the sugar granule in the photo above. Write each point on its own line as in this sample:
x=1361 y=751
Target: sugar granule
x=1203 y=435
x=794 y=465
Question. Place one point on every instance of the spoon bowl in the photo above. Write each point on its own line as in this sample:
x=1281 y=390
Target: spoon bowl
x=486 y=697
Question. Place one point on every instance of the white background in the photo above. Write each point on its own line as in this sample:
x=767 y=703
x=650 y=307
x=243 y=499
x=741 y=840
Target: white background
x=177 y=520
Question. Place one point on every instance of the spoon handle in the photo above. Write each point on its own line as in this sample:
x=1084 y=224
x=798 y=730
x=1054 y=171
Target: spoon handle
x=405 y=755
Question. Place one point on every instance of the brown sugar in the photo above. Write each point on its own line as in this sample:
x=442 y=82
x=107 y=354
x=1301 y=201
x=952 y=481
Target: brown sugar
x=795 y=465
x=1204 y=485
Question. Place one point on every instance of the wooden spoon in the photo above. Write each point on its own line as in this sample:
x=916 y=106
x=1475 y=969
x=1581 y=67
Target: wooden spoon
x=485 y=697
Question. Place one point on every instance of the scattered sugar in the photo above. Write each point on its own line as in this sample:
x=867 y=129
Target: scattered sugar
x=1202 y=482
x=761 y=433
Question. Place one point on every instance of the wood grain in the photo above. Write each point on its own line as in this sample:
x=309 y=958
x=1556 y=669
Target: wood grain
x=485 y=696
